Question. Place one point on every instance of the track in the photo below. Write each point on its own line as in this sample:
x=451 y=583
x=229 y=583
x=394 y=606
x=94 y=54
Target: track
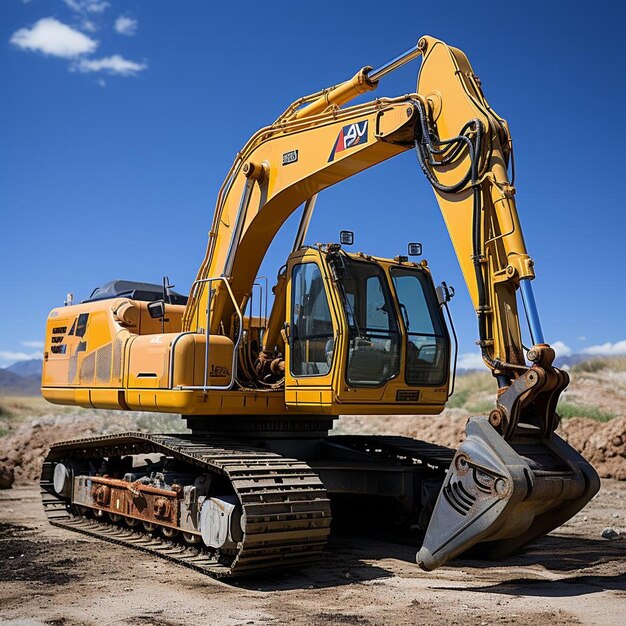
x=286 y=511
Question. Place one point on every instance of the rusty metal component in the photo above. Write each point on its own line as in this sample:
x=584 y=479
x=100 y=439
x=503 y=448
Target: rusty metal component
x=130 y=500
x=267 y=364
x=101 y=495
x=135 y=487
x=278 y=367
x=285 y=512
x=532 y=397
x=161 y=508
x=495 y=418
x=542 y=355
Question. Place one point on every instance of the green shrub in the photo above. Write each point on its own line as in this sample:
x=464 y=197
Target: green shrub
x=569 y=409
x=481 y=407
x=459 y=398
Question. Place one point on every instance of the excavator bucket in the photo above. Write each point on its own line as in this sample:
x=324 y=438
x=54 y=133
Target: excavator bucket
x=503 y=494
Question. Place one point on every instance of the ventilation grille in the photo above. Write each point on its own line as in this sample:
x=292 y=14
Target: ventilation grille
x=71 y=370
x=103 y=364
x=407 y=395
x=116 y=366
x=87 y=369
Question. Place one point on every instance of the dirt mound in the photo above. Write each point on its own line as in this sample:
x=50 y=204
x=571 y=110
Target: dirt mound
x=602 y=444
x=446 y=429
x=23 y=452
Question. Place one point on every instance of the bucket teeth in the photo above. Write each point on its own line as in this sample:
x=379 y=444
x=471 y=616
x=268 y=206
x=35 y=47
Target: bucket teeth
x=506 y=494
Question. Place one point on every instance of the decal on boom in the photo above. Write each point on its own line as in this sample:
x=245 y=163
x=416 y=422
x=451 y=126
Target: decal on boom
x=349 y=136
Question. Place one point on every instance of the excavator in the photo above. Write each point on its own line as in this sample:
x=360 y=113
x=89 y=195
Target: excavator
x=253 y=486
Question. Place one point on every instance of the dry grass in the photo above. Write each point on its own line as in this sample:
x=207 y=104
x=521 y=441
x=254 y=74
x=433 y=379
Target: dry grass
x=23 y=406
x=615 y=364
x=15 y=409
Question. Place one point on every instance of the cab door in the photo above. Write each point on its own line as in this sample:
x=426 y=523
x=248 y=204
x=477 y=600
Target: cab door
x=312 y=334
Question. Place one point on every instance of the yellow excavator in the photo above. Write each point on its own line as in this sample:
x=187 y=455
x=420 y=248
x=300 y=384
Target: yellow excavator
x=254 y=486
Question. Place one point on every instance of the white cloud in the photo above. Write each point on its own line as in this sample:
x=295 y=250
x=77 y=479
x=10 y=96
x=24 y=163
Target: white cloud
x=115 y=64
x=54 y=38
x=607 y=349
x=470 y=361
x=89 y=26
x=35 y=343
x=581 y=338
x=97 y=7
x=125 y=25
x=561 y=349
x=89 y=6
x=7 y=357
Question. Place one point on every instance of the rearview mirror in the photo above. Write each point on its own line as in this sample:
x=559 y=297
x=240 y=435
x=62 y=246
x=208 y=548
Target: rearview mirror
x=156 y=309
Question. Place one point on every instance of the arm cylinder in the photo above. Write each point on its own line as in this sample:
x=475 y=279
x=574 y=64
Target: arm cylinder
x=394 y=64
x=530 y=308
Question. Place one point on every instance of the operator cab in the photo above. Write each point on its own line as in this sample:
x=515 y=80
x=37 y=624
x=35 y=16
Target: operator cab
x=370 y=329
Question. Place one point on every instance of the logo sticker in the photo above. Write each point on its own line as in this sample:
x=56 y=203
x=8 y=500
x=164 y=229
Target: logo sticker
x=349 y=136
x=290 y=157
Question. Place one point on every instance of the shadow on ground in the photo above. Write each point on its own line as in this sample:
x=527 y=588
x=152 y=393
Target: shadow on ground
x=347 y=560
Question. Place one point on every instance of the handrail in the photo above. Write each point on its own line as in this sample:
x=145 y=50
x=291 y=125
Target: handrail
x=233 y=375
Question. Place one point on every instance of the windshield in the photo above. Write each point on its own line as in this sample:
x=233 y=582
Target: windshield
x=427 y=341
x=374 y=338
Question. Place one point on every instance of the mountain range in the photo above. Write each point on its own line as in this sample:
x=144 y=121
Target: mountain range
x=21 y=378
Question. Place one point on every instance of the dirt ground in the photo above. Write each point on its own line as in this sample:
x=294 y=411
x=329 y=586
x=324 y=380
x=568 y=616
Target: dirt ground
x=52 y=576
x=573 y=576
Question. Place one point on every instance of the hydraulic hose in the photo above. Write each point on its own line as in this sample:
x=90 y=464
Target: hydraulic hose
x=427 y=145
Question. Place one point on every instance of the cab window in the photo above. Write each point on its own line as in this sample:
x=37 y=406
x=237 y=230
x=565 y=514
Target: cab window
x=427 y=341
x=374 y=338
x=311 y=333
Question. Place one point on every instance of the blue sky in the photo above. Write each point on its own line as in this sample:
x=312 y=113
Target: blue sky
x=119 y=121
